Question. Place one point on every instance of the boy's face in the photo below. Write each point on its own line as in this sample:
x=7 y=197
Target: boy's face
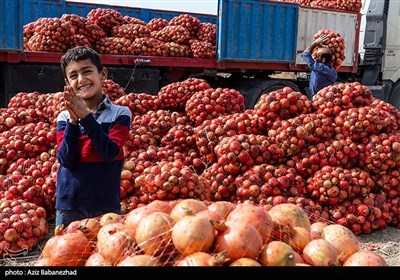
x=84 y=78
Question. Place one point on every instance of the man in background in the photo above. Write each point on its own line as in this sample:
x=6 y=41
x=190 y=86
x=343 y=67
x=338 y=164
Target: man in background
x=323 y=73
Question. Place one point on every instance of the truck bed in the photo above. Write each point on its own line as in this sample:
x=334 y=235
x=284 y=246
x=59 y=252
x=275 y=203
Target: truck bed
x=252 y=35
x=16 y=13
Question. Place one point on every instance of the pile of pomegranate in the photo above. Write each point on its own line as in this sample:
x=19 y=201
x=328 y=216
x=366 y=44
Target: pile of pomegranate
x=22 y=226
x=109 y=32
x=335 y=156
x=338 y=5
x=190 y=232
x=335 y=43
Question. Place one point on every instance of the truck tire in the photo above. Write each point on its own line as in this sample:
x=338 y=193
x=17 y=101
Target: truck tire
x=253 y=89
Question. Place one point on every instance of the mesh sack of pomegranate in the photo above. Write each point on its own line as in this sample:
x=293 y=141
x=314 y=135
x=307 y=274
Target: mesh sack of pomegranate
x=190 y=232
x=335 y=43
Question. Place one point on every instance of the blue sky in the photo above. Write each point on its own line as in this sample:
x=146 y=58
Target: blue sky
x=194 y=6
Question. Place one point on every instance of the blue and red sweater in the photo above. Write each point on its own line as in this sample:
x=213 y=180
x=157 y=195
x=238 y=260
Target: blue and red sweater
x=91 y=155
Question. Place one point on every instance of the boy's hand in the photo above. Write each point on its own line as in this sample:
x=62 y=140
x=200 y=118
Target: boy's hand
x=74 y=104
x=73 y=117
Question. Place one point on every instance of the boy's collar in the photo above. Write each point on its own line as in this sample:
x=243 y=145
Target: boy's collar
x=106 y=103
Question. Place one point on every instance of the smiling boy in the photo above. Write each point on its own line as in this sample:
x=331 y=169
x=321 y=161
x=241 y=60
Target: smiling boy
x=91 y=133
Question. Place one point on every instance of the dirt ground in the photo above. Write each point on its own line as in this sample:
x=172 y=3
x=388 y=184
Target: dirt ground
x=385 y=242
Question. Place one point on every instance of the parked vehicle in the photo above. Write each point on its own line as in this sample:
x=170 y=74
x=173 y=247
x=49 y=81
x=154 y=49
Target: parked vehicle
x=259 y=44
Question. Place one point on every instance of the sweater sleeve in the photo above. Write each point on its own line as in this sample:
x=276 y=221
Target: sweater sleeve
x=67 y=143
x=308 y=59
x=110 y=146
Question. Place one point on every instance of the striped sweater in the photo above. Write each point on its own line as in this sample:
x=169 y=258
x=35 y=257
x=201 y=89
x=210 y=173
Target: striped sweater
x=91 y=155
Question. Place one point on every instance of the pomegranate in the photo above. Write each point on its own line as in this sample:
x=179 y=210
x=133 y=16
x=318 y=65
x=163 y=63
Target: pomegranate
x=250 y=214
x=238 y=241
x=277 y=253
x=96 y=259
x=213 y=216
x=153 y=233
x=289 y=214
x=202 y=259
x=114 y=242
x=245 y=262
x=316 y=229
x=319 y=252
x=133 y=217
x=89 y=228
x=222 y=207
x=365 y=258
x=140 y=260
x=186 y=207
x=300 y=239
x=193 y=234
x=70 y=249
x=116 y=246
x=109 y=218
x=344 y=240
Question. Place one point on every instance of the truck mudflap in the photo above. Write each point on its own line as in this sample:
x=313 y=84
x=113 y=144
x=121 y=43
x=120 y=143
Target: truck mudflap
x=394 y=92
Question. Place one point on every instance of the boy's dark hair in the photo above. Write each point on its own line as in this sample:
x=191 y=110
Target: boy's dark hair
x=81 y=53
